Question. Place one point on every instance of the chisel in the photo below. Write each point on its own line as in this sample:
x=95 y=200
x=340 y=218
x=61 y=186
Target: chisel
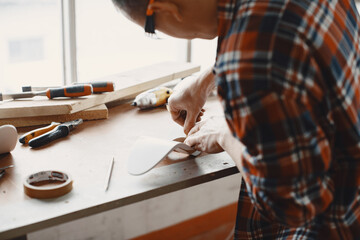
x=67 y=91
x=98 y=87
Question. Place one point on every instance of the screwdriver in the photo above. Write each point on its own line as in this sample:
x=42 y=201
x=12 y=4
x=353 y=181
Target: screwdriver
x=67 y=91
x=98 y=87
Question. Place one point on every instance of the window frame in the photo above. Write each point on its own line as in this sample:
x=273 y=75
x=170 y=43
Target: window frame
x=68 y=31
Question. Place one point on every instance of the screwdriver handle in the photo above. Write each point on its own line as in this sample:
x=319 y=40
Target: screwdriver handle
x=70 y=91
x=24 y=139
x=99 y=87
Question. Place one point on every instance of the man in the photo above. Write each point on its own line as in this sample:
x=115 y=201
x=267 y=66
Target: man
x=287 y=74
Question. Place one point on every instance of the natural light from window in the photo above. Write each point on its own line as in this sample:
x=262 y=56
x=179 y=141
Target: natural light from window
x=31 y=44
x=108 y=43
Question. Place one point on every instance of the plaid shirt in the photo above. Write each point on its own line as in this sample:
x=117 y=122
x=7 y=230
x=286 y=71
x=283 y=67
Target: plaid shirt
x=287 y=73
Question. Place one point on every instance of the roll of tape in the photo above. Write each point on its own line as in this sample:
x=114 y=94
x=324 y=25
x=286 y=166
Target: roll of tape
x=44 y=184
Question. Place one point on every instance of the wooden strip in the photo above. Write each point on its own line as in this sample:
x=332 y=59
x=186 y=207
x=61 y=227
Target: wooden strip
x=126 y=84
x=94 y=113
x=216 y=225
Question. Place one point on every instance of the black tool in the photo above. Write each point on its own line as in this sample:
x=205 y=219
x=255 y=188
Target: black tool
x=58 y=132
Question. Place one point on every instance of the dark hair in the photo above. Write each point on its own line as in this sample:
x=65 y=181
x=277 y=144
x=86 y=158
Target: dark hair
x=132 y=7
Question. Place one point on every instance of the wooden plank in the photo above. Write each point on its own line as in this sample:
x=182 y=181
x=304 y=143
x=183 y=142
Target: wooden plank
x=94 y=113
x=126 y=84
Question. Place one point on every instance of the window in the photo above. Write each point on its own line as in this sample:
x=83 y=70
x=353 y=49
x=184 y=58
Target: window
x=55 y=42
x=108 y=43
x=30 y=44
x=203 y=52
x=26 y=50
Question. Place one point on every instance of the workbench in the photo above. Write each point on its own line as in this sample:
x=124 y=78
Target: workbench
x=86 y=154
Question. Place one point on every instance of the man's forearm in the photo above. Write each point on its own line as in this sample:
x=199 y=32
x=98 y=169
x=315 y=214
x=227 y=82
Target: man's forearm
x=207 y=81
x=232 y=146
x=227 y=141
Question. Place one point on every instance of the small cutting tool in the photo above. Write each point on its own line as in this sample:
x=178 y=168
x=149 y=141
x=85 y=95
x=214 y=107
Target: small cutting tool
x=2 y=170
x=42 y=136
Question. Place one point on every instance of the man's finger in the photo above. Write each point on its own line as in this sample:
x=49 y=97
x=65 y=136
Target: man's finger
x=198 y=119
x=195 y=129
x=190 y=141
x=189 y=122
x=194 y=142
x=177 y=117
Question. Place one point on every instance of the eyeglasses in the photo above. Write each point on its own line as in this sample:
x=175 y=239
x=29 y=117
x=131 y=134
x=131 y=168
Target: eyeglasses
x=150 y=20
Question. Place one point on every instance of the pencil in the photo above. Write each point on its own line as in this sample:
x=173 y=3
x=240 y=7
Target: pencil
x=109 y=174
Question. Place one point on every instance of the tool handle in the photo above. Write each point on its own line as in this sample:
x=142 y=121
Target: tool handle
x=70 y=91
x=99 y=87
x=24 y=139
x=58 y=132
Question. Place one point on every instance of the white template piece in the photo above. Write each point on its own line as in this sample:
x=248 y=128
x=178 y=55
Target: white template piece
x=147 y=152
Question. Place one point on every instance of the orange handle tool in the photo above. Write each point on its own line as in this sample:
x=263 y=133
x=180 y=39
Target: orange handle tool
x=99 y=87
x=24 y=139
x=70 y=91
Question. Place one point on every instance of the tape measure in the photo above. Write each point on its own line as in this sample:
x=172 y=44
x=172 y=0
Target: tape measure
x=47 y=184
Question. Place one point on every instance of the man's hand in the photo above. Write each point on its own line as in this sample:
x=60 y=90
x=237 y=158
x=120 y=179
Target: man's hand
x=213 y=136
x=206 y=136
x=188 y=98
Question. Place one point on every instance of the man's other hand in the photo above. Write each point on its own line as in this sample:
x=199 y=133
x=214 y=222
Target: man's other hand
x=206 y=135
x=188 y=98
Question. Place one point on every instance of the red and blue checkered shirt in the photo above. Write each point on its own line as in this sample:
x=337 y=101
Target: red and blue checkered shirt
x=288 y=76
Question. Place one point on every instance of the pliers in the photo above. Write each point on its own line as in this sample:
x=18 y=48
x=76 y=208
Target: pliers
x=2 y=170
x=45 y=135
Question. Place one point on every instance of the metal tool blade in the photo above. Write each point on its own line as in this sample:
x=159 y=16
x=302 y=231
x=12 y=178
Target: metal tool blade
x=37 y=89
x=21 y=95
x=3 y=168
x=73 y=124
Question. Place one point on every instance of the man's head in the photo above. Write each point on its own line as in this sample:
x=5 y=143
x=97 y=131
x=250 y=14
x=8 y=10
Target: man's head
x=132 y=7
x=178 y=18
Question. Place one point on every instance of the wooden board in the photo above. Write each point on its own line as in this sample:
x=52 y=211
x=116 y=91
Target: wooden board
x=94 y=113
x=127 y=84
